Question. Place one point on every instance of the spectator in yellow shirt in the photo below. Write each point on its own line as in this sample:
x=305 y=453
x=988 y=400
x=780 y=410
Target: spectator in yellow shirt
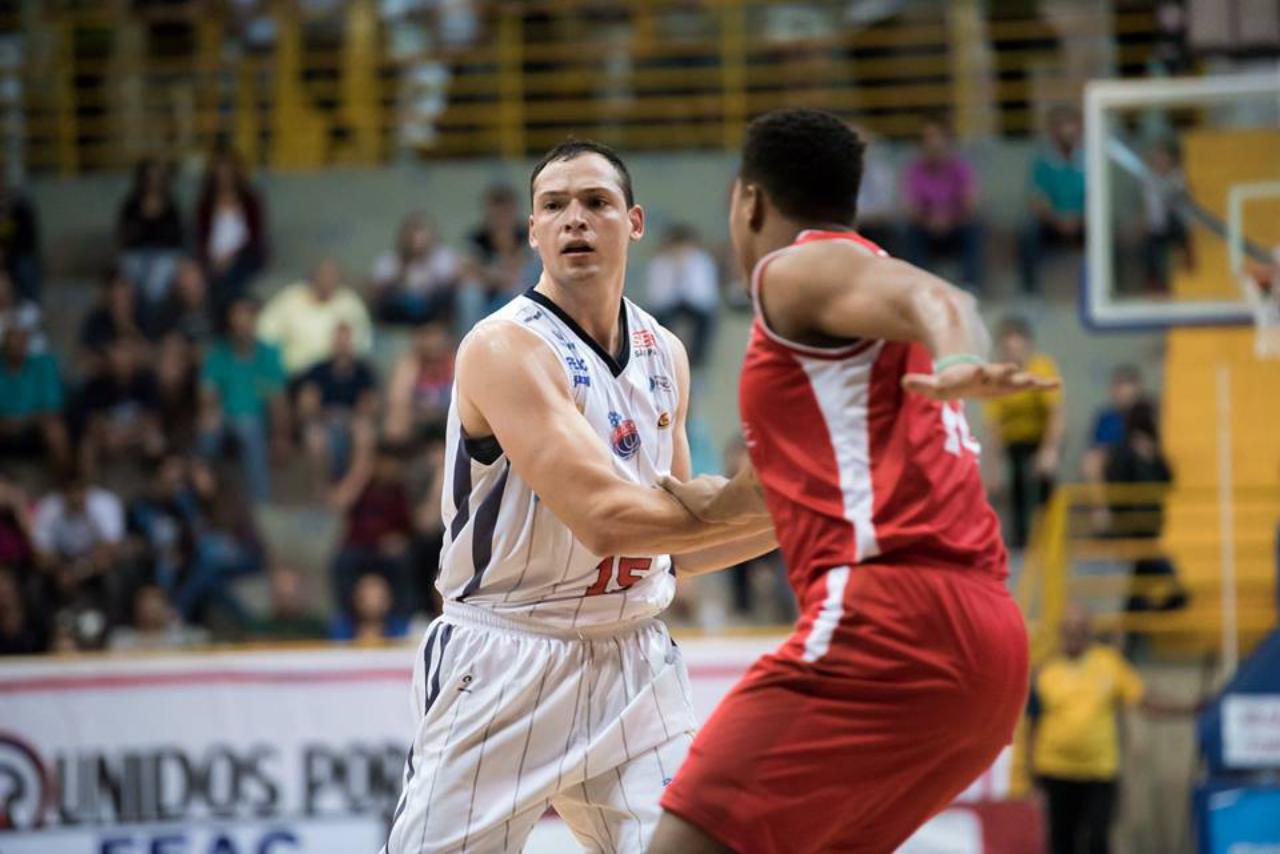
x=302 y=318
x=1029 y=426
x=1074 y=710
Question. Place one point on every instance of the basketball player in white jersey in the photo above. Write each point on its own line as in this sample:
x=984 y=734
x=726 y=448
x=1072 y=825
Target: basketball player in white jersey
x=547 y=681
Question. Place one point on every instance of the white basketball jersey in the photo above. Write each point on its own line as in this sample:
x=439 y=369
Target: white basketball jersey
x=503 y=549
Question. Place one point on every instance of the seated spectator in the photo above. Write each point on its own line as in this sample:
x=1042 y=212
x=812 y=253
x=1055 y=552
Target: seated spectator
x=337 y=402
x=300 y=320
x=231 y=238
x=379 y=526
x=165 y=518
x=186 y=308
x=500 y=248
x=115 y=315
x=118 y=411
x=18 y=312
x=289 y=618
x=1139 y=458
x=149 y=231
x=78 y=531
x=418 y=281
x=684 y=286
x=20 y=240
x=155 y=625
x=21 y=632
x=177 y=391
x=17 y=551
x=242 y=388
x=372 y=619
x=878 y=196
x=941 y=192
x=1165 y=226
x=1108 y=421
x=1029 y=427
x=30 y=401
x=227 y=546
x=1057 y=197
x=421 y=385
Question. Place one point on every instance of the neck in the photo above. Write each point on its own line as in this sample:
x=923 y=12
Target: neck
x=593 y=305
x=781 y=233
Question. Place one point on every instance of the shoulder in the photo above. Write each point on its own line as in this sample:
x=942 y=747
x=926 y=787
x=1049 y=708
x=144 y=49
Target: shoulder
x=501 y=344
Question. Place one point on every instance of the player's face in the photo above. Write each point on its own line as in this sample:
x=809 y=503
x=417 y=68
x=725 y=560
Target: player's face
x=581 y=224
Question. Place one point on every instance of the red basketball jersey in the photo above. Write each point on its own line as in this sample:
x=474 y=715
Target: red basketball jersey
x=854 y=468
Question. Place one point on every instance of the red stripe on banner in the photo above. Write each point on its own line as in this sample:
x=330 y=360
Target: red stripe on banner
x=255 y=677
x=209 y=677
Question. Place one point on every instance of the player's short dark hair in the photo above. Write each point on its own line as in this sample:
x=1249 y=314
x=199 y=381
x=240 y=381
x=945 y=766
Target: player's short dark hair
x=809 y=162
x=571 y=149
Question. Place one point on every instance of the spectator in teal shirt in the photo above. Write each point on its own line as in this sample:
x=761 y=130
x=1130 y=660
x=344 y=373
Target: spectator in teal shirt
x=242 y=399
x=1057 y=197
x=30 y=400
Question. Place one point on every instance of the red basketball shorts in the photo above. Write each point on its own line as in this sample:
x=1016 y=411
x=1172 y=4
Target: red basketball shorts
x=850 y=743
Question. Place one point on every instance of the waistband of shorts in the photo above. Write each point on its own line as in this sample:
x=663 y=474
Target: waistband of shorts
x=464 y=614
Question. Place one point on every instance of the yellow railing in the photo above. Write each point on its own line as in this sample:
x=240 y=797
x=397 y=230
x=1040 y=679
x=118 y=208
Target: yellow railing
x=99 y=92
x=1076 y=556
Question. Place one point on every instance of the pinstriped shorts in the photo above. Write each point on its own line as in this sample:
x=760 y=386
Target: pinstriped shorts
x=511 y=722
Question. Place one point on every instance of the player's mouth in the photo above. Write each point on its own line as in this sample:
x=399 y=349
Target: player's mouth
x=577 y=247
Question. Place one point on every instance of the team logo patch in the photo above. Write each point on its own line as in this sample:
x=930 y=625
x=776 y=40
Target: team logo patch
x=625 y=437
x=664 y=420
x=659 y=382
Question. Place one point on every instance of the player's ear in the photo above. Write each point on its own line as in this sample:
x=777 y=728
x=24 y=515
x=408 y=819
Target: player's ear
x=636 y=215
x=753 y=200
x=533 y=241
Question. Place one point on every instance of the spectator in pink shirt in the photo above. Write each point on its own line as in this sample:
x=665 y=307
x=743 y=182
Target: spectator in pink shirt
x=941 y=193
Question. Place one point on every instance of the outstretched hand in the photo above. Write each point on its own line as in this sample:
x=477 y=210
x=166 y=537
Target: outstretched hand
x=969 y=381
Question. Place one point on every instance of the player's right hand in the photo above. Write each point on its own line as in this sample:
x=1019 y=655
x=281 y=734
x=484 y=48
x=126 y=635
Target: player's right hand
x=969 y=381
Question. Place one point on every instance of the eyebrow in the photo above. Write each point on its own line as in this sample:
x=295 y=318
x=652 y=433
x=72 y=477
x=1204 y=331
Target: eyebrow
x=594 y=188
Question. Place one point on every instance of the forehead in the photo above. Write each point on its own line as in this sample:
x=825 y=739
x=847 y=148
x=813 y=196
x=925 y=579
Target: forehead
x=585 y=171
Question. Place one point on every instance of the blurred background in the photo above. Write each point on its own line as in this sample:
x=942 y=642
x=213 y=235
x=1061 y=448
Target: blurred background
x=240 y=239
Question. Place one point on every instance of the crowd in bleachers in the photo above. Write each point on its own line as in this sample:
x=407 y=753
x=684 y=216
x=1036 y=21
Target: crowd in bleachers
x=187 y=404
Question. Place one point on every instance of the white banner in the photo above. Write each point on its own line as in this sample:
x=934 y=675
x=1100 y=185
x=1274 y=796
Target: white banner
x=268 y=752
x=1251 y=730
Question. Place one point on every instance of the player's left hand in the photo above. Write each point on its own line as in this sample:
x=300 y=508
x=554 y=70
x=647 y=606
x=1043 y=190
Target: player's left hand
x=699 y=495
x=969 y=381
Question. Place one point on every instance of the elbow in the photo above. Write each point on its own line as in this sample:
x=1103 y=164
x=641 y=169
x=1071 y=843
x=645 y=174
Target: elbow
x=597 y=529
x=597 y=535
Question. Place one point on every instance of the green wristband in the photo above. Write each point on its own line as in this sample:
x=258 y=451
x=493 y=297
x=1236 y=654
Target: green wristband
x=940 y=365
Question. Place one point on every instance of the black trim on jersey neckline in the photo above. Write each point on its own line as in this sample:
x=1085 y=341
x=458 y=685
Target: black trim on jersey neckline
x=617 y=364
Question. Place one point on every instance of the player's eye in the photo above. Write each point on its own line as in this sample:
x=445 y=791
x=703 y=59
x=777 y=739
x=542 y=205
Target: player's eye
x=599 y=202
x=551 y=206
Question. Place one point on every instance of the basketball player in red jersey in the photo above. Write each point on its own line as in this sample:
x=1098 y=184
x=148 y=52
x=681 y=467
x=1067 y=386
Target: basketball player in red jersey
x=908 y=667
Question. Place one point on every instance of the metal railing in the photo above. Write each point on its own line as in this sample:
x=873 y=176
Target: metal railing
x=100 y=88
x=1090 y=539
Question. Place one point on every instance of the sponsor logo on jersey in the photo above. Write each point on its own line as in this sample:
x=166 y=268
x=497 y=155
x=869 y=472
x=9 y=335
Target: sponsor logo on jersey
x=644 y=343
x=664 y=420
x=659 y=382
x=581 y=380
x=577 y=364
x=625 y=437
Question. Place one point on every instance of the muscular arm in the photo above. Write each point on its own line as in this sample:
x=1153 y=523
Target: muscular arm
x=511 y=386
x=833 y=290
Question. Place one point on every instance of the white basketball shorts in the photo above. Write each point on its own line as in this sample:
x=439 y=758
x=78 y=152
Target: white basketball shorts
x=513 y=719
